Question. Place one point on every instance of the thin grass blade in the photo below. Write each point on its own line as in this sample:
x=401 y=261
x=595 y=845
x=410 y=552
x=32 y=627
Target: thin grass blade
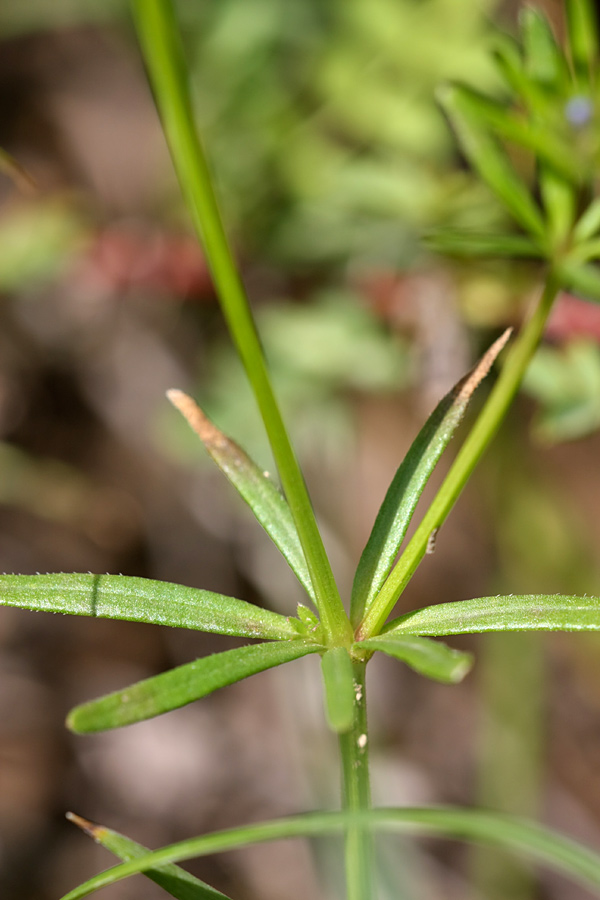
x=182 y=685
x=338 y=679
x=525 y=839
x=589 y=223
x=430 y=658
x=463 y=243
x=255 y=486
x=582 y=279
x=524 y=612
x=143 y=600
x=174 y=880
x=408 y=484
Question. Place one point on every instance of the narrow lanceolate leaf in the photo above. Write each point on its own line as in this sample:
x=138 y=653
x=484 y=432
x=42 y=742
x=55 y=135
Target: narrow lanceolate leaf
x=583 y=34
x=525 y=839
x=544 y=58
x=409 y=481
x=468 y=244
x=143 y=600
x=173 y=879
x=255 y=486
x=589 y=223
x=429 y=658
x=526 y=612
x=183 y=685
x=490 y=160
x=339 y=688
x=583 y=279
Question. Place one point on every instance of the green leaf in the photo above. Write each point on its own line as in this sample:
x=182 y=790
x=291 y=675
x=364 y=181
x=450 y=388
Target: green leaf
x=523 y=838
x=468 y=244
x=490 y=160
x=429 y=658
x=583 y=34
x=518 y=612
x=255 y=486
x=143 y=600
x=174 y=880
x=581 y=279
x=589 y=223
x=523 y=130
x=408 y=484
x=559 y=200
x=182 y=685
x=511 y=67
x=338 y=678
x=545 y=60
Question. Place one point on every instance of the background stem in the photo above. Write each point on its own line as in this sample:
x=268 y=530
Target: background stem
x=474 y=446
x=356 y=793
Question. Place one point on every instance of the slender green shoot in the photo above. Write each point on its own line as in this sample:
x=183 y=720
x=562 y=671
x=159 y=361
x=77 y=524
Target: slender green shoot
x=163 y=54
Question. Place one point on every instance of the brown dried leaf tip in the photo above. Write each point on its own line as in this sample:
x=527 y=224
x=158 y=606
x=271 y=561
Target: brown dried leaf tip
x=208 y=433
x=467 y=385
x=89 y=827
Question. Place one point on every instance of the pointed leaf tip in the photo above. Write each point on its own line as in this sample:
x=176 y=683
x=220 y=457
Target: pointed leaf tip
x=466 y=387
x=89 y=827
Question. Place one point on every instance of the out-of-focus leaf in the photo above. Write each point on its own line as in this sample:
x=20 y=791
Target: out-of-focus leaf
x=173 y=879
x=582 y=279
x=429 y=658
x=339 y=688
x=482 y=111
x=558 y=196
x=183 y=685
x=589 y=223
x=255 y=486
x=475 y=244
x=408 y=484
x=143 y=600
x=19 y=174
x=510 y=63
x=526 y=612
x=490 y=160
x=544 y=59
x=583 y=34
x=508 y=832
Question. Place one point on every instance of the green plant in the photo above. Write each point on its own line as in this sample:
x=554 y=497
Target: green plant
x=556 y=93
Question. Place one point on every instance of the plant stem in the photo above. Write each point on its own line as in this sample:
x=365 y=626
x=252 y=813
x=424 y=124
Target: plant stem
x=160 y=41
x=356 y=792
x=473 y=448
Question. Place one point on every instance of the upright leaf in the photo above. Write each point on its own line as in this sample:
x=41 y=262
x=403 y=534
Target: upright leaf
x=429 y=658
x=583 y=34
x=173 y=879
x=255 y=486
x=143 y=600
x=408 y=484
x=182 y=685
x=544 y=58
x=524 y=612
x=339 y=688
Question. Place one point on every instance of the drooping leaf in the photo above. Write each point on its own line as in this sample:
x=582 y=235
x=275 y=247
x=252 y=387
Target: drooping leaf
x=489 y=159
x=255 y=486
x=339 y=688
x=483 y=112
x=545 y=60
x=408 y=484
x=430 y=658
x=143 y=600
x=183 y=685
x=526 y=839
x=525 y=612
x=174 y=880
x=583 y=34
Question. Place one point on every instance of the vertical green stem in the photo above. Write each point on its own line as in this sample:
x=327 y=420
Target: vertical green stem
x=474 y=446
x=160 y=41
x=356 y=792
